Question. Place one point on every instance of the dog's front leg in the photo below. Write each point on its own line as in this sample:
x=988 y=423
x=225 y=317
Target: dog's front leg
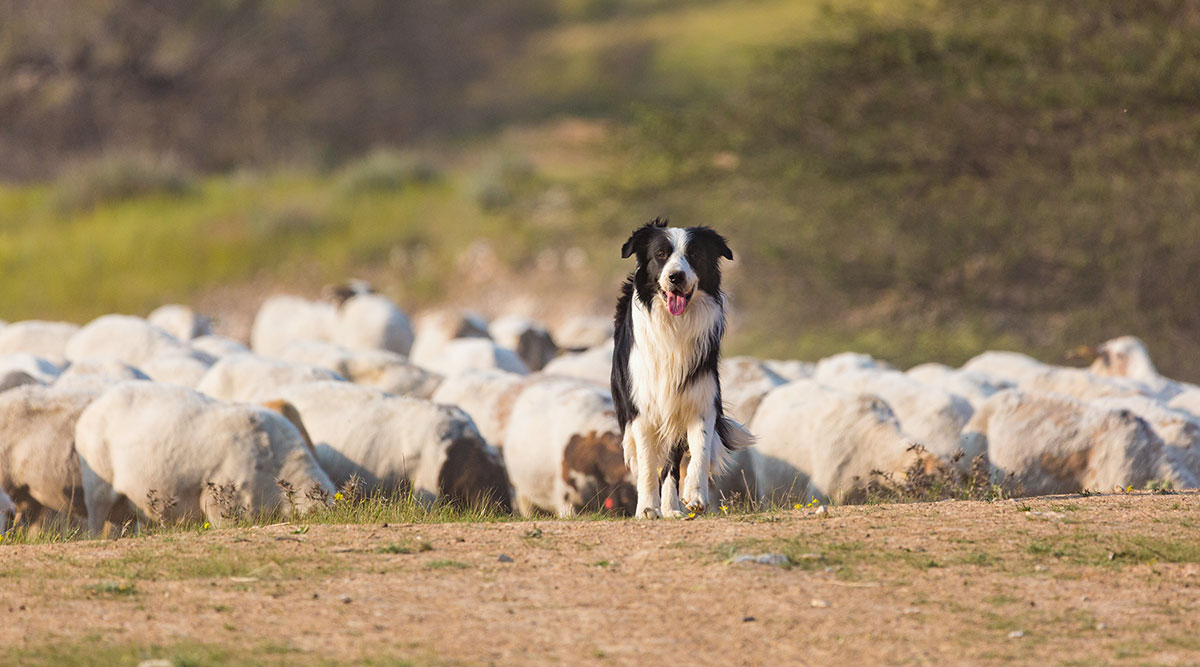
x=649 y=460
x=696 y=484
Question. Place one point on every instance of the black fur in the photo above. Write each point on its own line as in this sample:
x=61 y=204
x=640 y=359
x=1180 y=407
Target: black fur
x=622 y=389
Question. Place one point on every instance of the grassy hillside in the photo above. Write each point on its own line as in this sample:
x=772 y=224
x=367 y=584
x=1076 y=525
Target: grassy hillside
x=918 y=180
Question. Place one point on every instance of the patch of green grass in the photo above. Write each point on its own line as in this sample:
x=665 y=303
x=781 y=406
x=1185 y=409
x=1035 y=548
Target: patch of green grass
x=95 y=652
x=111 y=588
x=1085 y=548
x=419 y=546
x=447 y=565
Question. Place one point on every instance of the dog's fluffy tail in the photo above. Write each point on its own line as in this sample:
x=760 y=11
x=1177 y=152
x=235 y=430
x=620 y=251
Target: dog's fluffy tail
x=734 y=437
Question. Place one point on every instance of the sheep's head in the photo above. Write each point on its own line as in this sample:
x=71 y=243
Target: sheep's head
x=1126 y=356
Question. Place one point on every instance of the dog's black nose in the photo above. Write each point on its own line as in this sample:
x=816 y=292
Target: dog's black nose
x=676 y=277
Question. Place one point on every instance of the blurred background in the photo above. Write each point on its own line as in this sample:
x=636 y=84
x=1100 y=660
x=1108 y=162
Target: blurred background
x=916 y=179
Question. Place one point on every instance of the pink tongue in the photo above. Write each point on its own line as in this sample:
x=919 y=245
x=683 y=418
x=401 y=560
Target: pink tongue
x=676 y=303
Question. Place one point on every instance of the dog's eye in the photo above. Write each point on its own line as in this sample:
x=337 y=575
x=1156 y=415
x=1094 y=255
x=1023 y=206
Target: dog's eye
x=661 y=254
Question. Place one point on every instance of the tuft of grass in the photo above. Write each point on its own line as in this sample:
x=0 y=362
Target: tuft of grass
x=447 y=565
x=112 y=589
x=947 y=480
x=420 y=546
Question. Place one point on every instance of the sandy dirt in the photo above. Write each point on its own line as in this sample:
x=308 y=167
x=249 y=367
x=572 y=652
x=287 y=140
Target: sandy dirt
x=1065 y=579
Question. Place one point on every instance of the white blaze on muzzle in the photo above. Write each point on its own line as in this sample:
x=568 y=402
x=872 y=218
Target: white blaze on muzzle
x=677 y=294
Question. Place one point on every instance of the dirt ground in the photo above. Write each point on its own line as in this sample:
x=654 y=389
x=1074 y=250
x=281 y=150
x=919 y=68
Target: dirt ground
x=1063 y=579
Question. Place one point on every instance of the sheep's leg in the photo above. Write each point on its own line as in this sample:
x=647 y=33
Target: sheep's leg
x=649 y=460
x=99 y=497
x=696 y=484
x=525 y=506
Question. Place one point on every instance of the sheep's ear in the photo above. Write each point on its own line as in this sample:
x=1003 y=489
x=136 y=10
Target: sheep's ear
x=712 y=239
x=641 y=236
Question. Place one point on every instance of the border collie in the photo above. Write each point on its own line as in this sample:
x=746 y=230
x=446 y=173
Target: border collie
x=667 y=341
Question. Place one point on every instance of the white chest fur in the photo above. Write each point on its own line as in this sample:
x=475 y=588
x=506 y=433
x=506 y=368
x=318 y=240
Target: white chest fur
x=666 y=348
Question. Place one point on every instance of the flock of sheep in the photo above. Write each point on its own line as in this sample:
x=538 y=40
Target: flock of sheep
x=129 y=420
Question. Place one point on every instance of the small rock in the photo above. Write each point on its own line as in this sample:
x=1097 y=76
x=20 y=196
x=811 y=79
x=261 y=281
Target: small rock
x=822 y=511
x=911 y=610
x=748 y=619
x=778 y=560
x=157 y=662
x=1084 y=598
x=345 y=599
x=810 y=557
x=316 y=595
x=821 y=604
x=1039 y=568
x=1016 y=634
x=1101 y=626
x=505 y=558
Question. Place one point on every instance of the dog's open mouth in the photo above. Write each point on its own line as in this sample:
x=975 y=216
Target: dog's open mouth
x=677 y=302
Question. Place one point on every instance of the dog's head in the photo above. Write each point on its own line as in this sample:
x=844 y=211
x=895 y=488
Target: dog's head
x=675 y=262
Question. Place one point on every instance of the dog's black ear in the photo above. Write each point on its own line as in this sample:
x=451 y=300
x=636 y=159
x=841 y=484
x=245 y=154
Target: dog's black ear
x=641 y=236
x=709 y=236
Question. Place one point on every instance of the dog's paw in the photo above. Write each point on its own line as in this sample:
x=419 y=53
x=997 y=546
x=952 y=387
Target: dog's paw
x=697 y=506
x=648 y=513
x=672 y=514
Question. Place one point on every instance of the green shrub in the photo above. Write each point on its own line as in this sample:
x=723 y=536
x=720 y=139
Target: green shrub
x=119 y=176
x=384 y=170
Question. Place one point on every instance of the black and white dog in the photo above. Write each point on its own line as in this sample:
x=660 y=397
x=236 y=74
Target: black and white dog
x=667 y=341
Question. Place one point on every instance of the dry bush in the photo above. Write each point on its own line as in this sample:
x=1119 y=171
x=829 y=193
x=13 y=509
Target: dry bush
x=946 y=481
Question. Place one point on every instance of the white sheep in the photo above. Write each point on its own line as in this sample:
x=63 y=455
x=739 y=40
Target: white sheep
x=584 y=332
x=1056 y=444
x=180 y=321
x=1005 y=367
x=42 y=370
x=594 y=365
x=845 y=362
x=37 y=450
x=41 y=339
x=487 y=396
x=530 y=340
x=744 y=382
x=1179 y=431
x=563 y=450
x=96 y=375
x=393 y=444
x=1034 y=377
x=929 y=414
x=251 y=378
x=1127 y=357
x=436 y=328
x=372 y=322
x=181 y=369
x=471 y=354
x=217 y=346
x=971 y=385
x=790 y=369
x=284 y=319
x=128 y=339
x=175 y=454
x=1187 y=401
x=380 y=369
x=815 y=441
